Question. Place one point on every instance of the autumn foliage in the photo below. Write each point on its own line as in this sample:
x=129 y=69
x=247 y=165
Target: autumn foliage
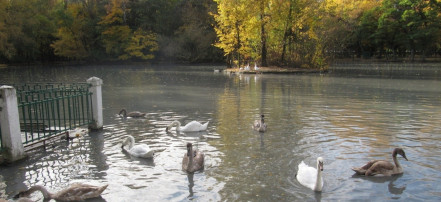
x=290 y=33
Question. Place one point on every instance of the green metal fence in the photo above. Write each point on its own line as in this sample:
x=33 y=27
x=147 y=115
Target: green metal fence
x=50 y=109
x=1 y=142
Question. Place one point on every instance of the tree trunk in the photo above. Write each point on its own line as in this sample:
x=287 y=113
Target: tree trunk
x=263 y=34
x=286 y=34
x=263 y=41
x=238 y=45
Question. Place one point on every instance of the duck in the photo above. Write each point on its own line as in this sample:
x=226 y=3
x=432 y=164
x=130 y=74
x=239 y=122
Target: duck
x=76 y=192
x=260 y=125
x=311 y=177
x=382 y=167
x=134 y=114
x=193 y=160
x=193 y=126
x=139 y=150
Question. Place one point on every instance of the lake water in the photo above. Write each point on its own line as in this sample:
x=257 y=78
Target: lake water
x=348 y=119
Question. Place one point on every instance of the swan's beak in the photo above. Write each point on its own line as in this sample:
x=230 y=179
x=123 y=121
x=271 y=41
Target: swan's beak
x=321 y=166
x=405 y=157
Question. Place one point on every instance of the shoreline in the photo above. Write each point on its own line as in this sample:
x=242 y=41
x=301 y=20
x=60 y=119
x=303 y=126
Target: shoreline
x=273 y=70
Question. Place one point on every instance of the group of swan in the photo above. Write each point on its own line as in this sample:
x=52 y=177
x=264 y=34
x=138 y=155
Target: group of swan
x=312 y=177
x=247 y=68
x=192 y=161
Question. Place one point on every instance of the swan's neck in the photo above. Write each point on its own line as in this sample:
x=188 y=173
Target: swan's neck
x=397 y=163
x=190 y=158
x=177 y=124
x=318 y=182
x=130 y=141
x=43 y=190
x=124 y=112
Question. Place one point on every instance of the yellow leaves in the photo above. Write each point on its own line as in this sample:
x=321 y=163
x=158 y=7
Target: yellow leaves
x=238 y=26
x=68 y=45
x=349 y=9
x=142 y=45
x=120 y=41
x=114 y=15
x=115 y=38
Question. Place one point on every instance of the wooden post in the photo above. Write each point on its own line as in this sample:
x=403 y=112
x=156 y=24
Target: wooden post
x=97 y=102
x=10 y=125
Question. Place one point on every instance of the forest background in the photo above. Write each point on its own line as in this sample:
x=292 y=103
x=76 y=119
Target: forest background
x=293 y=33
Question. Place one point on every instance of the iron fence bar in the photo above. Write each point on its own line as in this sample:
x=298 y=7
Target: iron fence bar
x=48 y=109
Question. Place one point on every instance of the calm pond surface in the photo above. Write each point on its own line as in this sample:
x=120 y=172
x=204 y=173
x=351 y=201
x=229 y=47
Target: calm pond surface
x=346 y=119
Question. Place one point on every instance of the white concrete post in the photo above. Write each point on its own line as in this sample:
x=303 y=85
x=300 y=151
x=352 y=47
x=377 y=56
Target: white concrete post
x=10 y=124
x=97 y=102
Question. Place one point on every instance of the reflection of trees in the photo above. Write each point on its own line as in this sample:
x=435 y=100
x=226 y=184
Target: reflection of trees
x=251 y=158
x=377 y=115
x=310 y=111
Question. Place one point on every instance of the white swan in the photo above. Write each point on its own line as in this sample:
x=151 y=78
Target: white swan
x=140 y=150
x=311 y=177
x=260 y=125
x=193 y=126
x=256 y=67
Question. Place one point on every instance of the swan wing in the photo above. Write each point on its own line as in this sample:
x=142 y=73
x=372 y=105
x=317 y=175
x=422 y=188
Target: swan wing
x=362 y=170
x=307 y=175
x=136 y=114
x=78 y=192
x=381 y=168
x=185 y=162
x=198 y=160
x=141 y=151
x=256 y=124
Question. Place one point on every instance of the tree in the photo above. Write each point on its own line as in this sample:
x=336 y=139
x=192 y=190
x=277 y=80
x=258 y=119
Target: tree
x=26 y=29
x=116 y=33
x=119 y=40
x=142 y=45
x=77 y=34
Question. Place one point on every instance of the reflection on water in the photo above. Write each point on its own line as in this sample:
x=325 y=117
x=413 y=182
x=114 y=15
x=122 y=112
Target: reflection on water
x=346 y=120
x=393 y=189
